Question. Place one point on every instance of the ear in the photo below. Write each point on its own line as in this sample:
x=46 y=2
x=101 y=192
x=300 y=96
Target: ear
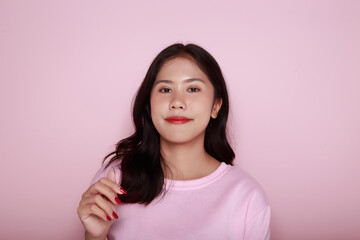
x=216 y=107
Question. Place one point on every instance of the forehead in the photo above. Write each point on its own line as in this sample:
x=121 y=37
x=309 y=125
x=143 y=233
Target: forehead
x=180 y=68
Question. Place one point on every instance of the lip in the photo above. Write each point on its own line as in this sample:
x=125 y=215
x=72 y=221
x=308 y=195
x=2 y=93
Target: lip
x=177 y=119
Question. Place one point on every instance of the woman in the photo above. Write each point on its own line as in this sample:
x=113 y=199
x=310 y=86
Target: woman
x=176 y=174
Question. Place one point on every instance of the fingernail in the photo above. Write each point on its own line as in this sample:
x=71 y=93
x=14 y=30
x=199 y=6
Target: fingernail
x=115 y=215
x=108 y=218
x=123 y=190
x=117 y=200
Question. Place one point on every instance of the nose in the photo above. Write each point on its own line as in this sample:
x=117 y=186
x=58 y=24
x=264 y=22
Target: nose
x=177 y=102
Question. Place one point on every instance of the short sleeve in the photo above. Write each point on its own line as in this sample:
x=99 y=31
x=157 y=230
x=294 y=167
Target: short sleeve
x=258 y=217
x=259 y=226
x=103 y=171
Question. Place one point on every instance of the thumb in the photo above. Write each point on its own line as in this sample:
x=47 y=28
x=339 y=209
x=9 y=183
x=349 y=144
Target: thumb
x=111 y=175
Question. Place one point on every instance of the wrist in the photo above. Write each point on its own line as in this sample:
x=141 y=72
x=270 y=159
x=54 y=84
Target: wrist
x=89 y=237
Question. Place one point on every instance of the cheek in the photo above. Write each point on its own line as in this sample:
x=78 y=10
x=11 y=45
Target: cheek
x=157 y=105
x=203 y=105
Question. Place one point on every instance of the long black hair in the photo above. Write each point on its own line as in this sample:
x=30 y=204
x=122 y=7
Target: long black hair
x=139 y=155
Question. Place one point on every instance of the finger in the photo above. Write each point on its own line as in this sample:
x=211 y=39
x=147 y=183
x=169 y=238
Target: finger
x=102 y=183
x=106 y=191
x=93 y=209
x=111 y=175
x=102 y=189
x=105 y=205
x=115 y=187
x=91 y=200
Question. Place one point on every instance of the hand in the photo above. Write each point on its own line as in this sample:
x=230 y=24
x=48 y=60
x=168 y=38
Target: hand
x=97 y=208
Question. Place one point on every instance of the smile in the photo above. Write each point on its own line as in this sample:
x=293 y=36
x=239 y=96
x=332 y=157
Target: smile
x=177 y=120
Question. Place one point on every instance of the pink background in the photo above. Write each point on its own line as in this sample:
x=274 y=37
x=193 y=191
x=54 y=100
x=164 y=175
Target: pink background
x=69 y=71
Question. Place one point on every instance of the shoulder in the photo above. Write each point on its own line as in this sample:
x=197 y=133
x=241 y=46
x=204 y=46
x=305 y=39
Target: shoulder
x=242 y=183
x=245 y=194
x=104 y=170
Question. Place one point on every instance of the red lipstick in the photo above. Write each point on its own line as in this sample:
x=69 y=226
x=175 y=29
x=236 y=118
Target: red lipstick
x=177 y=119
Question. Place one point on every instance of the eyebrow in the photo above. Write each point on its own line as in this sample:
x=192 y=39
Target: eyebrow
x=186 y=80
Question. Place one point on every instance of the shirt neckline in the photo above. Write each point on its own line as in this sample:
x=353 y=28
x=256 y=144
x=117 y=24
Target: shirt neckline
x=171 y=184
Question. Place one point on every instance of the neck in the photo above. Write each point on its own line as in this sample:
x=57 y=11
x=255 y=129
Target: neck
x=188 y=160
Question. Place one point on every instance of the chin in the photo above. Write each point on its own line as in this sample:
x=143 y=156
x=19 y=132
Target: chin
x=176 y=140
x=181 y=139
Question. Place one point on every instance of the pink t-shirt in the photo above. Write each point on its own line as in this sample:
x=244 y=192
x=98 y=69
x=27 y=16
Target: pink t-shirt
x=227 y=204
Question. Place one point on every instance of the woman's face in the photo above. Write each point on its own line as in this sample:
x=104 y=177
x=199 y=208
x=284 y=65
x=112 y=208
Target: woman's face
x=182 y=101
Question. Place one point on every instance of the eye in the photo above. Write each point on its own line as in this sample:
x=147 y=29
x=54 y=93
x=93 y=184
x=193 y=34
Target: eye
x=194 y=89
x=164 y=90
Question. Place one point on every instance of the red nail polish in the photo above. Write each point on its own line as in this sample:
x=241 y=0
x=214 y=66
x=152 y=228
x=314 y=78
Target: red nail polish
x=115 y=215
x=123 y=190
x=117 y=200
x=108 y=218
